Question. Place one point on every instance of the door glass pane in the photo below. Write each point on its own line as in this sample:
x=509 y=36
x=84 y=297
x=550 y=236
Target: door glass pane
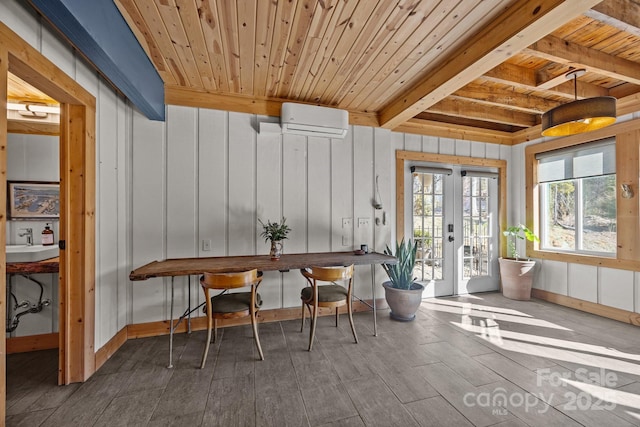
x=477 y=233
x=427 y=222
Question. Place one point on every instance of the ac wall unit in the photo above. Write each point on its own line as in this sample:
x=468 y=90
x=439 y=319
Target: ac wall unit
x=312 y=120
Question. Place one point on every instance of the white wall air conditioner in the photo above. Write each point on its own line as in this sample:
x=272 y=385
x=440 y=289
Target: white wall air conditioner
x=312 y=120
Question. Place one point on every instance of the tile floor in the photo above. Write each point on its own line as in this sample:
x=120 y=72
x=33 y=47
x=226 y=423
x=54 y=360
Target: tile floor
x=479 y=360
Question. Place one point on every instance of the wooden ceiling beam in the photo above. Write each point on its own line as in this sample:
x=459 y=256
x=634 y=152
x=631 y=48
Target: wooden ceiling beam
x=505 y=98
x=621 y=14
x=507 y=35
x=525 y=78
x=564 y=52
x=453 y=131
x=458 y=107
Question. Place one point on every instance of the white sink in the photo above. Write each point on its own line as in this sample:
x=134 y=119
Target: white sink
x=25 y=253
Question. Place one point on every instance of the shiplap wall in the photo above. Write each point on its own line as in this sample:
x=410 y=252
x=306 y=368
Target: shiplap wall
x=113 y=154
x=607 y=286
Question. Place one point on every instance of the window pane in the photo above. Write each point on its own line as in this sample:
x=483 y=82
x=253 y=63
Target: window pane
x=559 y=223
x=599 y=214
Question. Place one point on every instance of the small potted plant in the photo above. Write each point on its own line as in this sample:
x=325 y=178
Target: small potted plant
x=275 y=232
x=517 y=274
x=402 y=292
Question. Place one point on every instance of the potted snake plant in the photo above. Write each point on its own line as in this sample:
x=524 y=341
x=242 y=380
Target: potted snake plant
x=402 y=292
x=517 y=273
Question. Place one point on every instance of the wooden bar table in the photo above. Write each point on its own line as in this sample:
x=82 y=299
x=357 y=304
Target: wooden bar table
x=228 y=264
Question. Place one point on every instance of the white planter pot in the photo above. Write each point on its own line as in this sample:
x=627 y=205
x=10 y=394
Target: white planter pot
x=403 y=302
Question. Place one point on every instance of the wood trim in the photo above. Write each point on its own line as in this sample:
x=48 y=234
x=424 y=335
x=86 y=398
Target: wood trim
x=588 y=307
x=402 y=156
x=77 y=179
x=32 y=343
x=628 y=131
x=4 y=69
x=152 y=329
x=105 y=352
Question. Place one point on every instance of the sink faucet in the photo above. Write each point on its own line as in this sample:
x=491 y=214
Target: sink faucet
x=29 y=233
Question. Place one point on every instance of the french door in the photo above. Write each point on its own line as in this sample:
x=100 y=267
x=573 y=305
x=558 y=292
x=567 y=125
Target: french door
x=454 y=219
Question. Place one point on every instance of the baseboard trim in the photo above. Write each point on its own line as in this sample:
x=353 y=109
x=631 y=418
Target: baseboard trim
x=109 y=349
x=32 y=343
x=152 y=329
x=589 y=307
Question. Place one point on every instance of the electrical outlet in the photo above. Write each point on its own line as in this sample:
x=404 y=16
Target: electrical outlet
x=206 y=245
x=363 y=222
x=347 y=222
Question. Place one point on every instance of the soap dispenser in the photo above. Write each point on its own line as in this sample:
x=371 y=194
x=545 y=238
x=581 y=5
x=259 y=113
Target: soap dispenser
x=47 y=236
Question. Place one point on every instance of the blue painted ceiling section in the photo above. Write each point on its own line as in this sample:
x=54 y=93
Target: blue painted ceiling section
x=99 y=31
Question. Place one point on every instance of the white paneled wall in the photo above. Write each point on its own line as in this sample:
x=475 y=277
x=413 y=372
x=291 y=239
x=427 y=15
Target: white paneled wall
x=113 y=175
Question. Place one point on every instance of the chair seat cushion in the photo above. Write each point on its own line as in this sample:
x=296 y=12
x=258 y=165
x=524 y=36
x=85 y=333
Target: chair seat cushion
x=232 y=303
x=326 y=293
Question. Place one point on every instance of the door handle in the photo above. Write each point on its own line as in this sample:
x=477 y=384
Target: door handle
x=451 y=239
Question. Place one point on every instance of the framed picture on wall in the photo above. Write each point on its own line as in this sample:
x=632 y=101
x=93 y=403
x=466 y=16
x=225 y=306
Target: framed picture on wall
x=33 y=200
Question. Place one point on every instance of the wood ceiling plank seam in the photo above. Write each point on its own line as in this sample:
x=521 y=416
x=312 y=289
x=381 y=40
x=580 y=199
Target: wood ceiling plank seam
x=151 y=16
x=518 y=27
x=622 y=14
x=590 y=35
x=263 y=36
x=409 y=32
x=572 y=26
x=282 y=28
x=18 y=90
x=365 y=38
x=347 y=43
x=297 y=39
x=380 y=39
x=246 y=37
x=323 y=36
x=458 y=107
x=322 y=13
x=210 y=23
x=170 y=16
x=561 y=51
x=227 y=11
x=505 y=98
x=338 y=28
x=411 y=71
x=191 y=25
x=619 y=46
x=143 y=34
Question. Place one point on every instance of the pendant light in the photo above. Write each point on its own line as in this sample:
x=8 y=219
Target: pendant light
x=579 y=116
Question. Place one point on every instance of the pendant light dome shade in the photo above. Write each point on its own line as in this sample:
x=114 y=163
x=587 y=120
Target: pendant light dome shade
x=579 y=116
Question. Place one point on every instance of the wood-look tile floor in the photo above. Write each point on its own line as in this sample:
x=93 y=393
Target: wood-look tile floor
x=479 y=360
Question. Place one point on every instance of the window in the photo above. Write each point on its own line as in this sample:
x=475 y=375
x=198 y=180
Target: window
x=577 y=194
x=428 y=197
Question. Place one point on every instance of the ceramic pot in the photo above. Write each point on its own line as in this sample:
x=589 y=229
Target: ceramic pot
x=276 y=249
x=516 y=277
x=404 y=303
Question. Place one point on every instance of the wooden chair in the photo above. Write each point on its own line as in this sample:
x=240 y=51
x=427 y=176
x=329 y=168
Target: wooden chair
x=231 y=305
x=333 y=295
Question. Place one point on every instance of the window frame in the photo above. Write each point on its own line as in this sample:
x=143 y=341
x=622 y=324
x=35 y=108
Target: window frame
x=627 y=256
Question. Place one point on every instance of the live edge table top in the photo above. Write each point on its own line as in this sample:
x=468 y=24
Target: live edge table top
x=229 y=264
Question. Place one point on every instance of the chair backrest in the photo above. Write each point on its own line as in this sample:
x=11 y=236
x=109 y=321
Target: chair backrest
x=230 y=280
x=328 y=274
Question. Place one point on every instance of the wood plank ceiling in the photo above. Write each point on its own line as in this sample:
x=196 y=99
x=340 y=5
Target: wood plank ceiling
x=475 y=69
